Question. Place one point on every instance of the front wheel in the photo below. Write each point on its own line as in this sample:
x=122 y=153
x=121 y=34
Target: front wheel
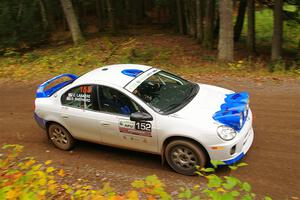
x=60 y=137
x=183 y=156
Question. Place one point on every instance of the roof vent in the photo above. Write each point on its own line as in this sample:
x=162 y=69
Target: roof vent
x=104 y=69
x=132 y=72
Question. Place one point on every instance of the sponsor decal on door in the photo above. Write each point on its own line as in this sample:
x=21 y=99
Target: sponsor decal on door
x=135 y=128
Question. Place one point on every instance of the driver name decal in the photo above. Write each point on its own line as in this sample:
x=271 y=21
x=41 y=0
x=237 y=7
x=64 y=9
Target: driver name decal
x=79 y=97
x=135 y=128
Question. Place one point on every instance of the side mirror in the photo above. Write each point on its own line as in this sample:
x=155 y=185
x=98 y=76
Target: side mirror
x=140 y=116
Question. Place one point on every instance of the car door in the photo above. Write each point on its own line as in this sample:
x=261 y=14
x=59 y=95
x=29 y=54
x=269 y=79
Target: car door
x=79 y=112
x=116 y=127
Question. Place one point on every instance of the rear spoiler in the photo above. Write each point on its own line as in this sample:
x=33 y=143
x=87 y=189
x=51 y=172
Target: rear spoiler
x=42 y=93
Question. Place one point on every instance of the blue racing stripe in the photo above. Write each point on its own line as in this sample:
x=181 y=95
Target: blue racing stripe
x=234 y=160
x=40 y=121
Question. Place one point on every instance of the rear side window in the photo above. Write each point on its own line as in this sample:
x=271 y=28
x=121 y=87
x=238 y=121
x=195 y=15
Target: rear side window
x=84 y=97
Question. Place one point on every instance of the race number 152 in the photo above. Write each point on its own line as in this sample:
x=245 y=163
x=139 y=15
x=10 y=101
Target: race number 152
x=143 y=126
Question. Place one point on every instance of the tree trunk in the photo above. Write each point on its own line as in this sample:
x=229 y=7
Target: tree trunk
x=209 y=24
x=240 y=20
x=44 y=15
x=251 y=27
x=19 y=16
x=180 y=16
x=50 y=14
x=192 y=11
x=141 y=11
x=134 y=15
x=72 y=21
x=199 y=20
x=217 y=26
x=225 y=46
x=137 y=12
x=78 y=9
x=299 y=47
x=186 y=17
x=172 y=10
x=100 y=16
x=277 y=30
x=127 y=12
x=111 y=15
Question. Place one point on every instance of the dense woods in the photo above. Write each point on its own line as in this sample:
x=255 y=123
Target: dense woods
x=214 y=24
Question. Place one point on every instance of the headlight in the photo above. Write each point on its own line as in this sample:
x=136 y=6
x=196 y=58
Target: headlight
x=245 y=113
x=226 y=133
x=241 y=120
x=246 y=110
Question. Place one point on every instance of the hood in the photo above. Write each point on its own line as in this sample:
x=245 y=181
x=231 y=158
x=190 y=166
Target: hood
x=204 y=105
x=214 y=104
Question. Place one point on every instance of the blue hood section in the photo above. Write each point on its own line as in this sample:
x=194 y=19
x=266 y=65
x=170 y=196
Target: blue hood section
x=234 y=111
x=242 y=97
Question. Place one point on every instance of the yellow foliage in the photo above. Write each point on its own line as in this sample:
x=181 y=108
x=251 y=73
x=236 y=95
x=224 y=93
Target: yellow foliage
x=42 y=192
x=117 y=198
x=12 y=194
x=40 y=173
x=42 y=181
x=221 y=190
x=65 y=186
x=21 y=179
x=29 y=163
x=50 y=169
x=150 y=197
x=61 y=173
x=48 y=162
x=132 y=195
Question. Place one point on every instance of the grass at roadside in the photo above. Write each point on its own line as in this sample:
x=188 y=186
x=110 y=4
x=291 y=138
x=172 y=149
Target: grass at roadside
x=171 y=52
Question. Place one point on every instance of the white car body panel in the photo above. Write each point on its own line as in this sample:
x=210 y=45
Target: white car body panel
x=193 y=121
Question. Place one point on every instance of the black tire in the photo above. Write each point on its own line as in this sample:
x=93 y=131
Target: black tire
x=60 y=137
x=183 y=156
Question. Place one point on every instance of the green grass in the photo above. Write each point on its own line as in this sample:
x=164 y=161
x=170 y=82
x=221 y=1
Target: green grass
x=184 y=58
x=264 y=28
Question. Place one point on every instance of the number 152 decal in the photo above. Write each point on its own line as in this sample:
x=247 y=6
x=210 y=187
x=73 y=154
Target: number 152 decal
x=143 y=126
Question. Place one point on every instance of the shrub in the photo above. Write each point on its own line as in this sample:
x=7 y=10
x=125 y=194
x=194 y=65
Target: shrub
x=27 y=179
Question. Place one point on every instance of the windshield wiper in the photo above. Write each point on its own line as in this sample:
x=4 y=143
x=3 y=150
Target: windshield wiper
x=171 y=107
x=193 y=92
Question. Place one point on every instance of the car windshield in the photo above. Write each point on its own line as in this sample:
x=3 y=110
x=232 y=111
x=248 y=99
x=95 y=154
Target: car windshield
x=165 y=92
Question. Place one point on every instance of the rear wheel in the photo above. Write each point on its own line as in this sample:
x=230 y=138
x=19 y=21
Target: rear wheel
x=183 y=156
x=60 y=137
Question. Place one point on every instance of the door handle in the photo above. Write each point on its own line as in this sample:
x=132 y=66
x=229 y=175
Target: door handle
x=63 y=115
x=105 y=124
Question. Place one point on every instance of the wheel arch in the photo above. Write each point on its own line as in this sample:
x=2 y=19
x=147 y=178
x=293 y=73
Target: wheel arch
x=172 y=138
x=70 y=137
x=48 y=123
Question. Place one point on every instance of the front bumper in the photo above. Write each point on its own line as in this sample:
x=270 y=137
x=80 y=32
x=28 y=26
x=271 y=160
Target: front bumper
x=232 y=151
x=247 y=142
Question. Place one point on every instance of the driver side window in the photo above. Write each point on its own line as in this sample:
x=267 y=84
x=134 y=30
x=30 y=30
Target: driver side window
x=113 y=101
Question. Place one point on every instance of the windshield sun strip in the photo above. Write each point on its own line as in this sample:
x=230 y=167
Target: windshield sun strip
x=133 y=84
x=136 y=77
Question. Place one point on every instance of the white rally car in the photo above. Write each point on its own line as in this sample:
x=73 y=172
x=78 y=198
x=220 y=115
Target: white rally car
x=147 y=109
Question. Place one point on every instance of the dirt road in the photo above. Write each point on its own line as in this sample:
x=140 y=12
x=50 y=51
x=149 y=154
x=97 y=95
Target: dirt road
x=274 y=159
